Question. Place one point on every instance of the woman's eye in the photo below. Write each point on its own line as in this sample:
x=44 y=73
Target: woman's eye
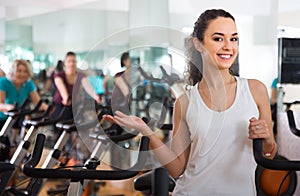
x=218 y=39
x=235 y=39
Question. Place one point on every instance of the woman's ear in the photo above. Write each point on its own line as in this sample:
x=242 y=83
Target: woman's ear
x=197 y=44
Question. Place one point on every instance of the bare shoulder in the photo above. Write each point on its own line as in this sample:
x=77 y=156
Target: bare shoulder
x=256 y=86
x=181 y=104
x=182 y=100
x=258 y=90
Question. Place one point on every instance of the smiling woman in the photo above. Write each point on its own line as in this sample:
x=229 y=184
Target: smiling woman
x=215 y=121
x=15 y=88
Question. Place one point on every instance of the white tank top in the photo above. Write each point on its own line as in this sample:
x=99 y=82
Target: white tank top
x=221 y=160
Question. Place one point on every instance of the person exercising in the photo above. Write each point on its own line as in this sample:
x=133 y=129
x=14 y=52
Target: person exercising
x=215 y=120
x=16 y=87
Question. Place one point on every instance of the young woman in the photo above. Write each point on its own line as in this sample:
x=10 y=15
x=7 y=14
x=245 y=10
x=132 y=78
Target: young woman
x=68 y=86
x=215 y=121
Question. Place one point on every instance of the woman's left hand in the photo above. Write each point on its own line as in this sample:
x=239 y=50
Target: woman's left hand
x=260 y=129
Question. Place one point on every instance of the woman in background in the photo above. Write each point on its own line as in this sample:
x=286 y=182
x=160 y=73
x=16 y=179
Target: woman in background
x=68 y=85
x=15 y=88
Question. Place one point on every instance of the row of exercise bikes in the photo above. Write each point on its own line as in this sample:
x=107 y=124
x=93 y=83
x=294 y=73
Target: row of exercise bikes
x=156 y=182
x=24 y=160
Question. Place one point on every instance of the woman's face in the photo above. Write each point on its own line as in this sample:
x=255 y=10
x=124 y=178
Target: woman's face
x=70 y=62
x=21 y=75
x=127 y=63
x=220 y=43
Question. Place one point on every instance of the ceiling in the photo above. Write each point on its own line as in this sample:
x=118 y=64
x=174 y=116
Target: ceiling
x=14 y=9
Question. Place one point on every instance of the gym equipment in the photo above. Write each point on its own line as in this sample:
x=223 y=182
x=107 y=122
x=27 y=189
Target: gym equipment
x=292 y=123
x=156 y=183
x=23 y=148
x=78 y=176
x=173 y=80
x=288 y=141
x=6 y=167
x=288 y=63
x=26 y=123
x=279 y=164
x=271 y=182
x=13 y=116
x=68 y=127
x=161 y=94
x=52 y=158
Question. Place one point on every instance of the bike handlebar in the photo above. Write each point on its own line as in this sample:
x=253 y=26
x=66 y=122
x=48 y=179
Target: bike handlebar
x=46 y=113
x=30 y=170
x=114 y=138
x=6 y=167
x=23 y=105
x=122 y=137
x=61 y=124
x=272 y=163
x=44 y=122
x=289 y=104
x=21 y=112
x=292 y=123
x=146 y=76
x=169 y=79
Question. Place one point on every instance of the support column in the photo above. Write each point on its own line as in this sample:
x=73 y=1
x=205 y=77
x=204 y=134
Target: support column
x=148 y=22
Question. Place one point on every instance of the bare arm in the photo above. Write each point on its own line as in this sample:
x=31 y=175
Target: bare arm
x=262 y=128
x=274 y=95
x=174 y=158
x=105 y=84
x=35 y=97
x=4 y=107
x=89 y=89
x=60 y=85
x=181 y=142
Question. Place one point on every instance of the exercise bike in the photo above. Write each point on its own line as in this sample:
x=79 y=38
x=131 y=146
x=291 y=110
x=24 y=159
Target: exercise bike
x=13 y=116
x=22 y=150
x=280 y=164
x=89 y=171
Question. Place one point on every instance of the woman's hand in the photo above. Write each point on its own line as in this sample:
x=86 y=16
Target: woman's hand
x=8 y=107
x=98 y=99
x=44 y=107
x=259 y=129
x=66 y=102
x=130 y=122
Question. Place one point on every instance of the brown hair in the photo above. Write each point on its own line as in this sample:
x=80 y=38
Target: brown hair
x=124 y=57
x=70 y=53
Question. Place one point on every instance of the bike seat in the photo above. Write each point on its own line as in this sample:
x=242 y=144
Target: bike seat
x=144 y=182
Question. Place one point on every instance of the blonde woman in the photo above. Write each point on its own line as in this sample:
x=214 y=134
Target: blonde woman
x=16 y=87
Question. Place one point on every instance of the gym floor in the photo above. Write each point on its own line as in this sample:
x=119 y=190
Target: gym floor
x=110 y=189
